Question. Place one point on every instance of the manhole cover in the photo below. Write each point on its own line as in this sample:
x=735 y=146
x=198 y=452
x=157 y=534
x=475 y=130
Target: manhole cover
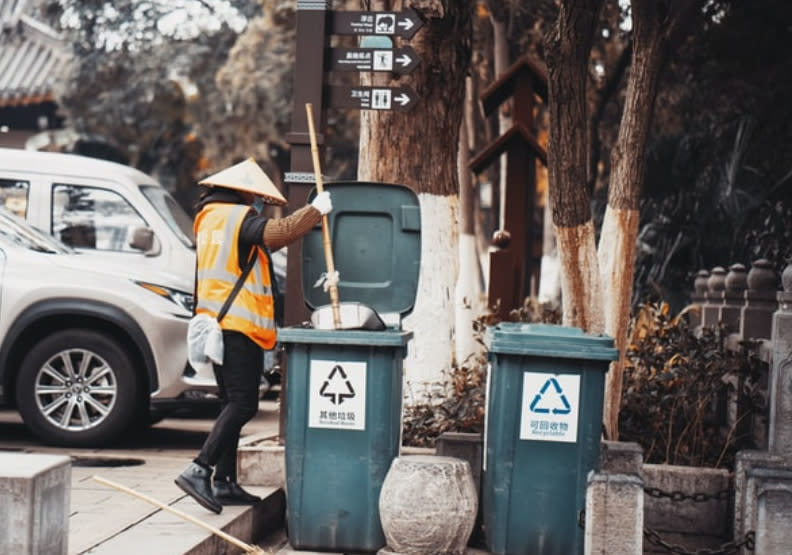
x=106 y=462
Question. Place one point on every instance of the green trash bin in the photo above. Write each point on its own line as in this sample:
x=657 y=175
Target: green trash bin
x=542 y=431
x=344 y=387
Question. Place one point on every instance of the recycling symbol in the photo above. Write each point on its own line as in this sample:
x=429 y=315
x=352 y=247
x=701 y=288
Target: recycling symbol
x=337 y=387
x=561 y=405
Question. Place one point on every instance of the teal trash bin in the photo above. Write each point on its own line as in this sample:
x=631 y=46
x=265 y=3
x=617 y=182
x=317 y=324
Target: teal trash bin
x=344 y=386
x=543 y=424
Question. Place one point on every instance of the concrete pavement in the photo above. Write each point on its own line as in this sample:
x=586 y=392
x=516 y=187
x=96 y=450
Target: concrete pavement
x=104 y=520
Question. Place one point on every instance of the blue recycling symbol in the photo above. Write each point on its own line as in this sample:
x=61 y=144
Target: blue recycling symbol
x=566 y=409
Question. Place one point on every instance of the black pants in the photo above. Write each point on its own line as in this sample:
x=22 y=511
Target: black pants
x=238 y=380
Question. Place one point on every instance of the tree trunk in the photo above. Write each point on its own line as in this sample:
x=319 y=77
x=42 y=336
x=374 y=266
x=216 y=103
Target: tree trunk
x=419 y=149
x=652 y=30
x=468 y=288
x=568 y=46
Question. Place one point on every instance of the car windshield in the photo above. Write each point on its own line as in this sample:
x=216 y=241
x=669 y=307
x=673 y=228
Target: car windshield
x=172 y=212
x=18 y=232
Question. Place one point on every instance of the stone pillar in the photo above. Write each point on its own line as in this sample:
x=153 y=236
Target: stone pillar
x=780 y=429
x=773 y=511
x=745 y=492
x=760 y=301
x=34 y=503
x=615 y=502
x=736 y=283
x=698 y=298
x=716 y=284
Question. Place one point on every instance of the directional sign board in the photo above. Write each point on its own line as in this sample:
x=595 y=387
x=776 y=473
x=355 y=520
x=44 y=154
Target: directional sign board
x=372 y=98
x=402 y=24
x=396 y=60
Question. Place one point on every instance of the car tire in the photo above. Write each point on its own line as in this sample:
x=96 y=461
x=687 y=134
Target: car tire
x=77 y=388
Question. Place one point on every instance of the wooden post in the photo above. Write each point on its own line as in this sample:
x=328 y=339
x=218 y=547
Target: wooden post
x=515 y=268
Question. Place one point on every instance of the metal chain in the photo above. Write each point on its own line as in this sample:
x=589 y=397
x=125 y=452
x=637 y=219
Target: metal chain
x=728 y=548
x=698 y=497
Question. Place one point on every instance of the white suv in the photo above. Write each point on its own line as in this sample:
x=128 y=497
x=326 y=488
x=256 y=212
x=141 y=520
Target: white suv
x=98 y=206
x=87 y=348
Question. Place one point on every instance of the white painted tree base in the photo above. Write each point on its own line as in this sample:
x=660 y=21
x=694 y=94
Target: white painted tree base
x=429 y=353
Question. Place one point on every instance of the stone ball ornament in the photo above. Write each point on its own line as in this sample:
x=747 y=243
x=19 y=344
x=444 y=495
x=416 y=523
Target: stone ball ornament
x=428 y=505
x=501 y=239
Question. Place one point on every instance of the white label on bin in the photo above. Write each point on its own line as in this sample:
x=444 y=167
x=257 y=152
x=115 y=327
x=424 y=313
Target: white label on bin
x=550 y=404
x=337 y=398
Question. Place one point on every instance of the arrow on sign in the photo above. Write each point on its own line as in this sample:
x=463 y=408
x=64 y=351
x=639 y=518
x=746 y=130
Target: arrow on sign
x=402 y=99
x=406 y=24
x=404 y=60
x=371 y=98
x=403 y=24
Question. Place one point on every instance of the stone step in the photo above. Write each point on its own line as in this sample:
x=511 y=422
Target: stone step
x=166 y=532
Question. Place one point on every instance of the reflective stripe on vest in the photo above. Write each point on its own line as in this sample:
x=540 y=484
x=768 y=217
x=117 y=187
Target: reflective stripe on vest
x=252 y=312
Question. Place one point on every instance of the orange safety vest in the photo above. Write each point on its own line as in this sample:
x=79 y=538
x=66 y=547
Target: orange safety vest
x=252 y=312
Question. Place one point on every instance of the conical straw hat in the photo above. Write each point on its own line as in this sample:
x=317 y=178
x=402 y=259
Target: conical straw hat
x=249 y=177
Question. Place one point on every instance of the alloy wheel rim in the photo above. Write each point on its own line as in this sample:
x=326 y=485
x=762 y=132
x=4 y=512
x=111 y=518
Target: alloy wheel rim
x=75 y=390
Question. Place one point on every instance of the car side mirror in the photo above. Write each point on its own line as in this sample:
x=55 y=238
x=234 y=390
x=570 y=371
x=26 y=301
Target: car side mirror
x=144 y=239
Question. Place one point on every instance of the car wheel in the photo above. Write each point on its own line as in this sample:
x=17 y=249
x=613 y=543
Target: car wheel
x=77 y=388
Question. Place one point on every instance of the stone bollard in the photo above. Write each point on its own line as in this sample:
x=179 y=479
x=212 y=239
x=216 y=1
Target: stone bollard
x=427 y=505
x=780 y=429
x=733 y=297
x=756 y=318
x=716 y=284
x=615 y=502
x=34 y=503
x=614 y=514
x=698 y=298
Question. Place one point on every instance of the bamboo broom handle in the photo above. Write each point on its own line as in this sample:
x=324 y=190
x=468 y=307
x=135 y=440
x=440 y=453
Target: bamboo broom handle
x=328 y=251
x=216 y=531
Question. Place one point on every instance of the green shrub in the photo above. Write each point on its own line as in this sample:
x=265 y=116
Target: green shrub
x=675 y=388
x=458 y=404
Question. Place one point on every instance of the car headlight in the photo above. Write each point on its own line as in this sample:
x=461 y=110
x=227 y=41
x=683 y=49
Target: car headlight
x=181 y=298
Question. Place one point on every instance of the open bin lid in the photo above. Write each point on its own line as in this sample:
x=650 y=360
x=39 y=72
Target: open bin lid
x=375 y=234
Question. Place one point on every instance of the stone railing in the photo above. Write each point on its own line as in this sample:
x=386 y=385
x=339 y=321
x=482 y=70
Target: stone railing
x=747 y=304
x=758 y=319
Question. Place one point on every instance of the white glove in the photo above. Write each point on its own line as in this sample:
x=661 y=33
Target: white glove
x=322 y=203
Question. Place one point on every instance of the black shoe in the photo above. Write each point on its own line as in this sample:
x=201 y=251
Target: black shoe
x=196 y=482
x=231 y=493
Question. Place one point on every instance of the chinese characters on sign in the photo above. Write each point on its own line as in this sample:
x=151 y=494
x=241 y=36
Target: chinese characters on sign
x=550 y=406
x=337 y=396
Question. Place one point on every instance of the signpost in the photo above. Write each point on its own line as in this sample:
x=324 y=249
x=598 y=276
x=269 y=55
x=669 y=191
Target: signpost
x=401 y=24
x=371 y=98
x=401 y=61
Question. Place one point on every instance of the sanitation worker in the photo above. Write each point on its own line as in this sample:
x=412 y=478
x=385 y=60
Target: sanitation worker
x=229 y=234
